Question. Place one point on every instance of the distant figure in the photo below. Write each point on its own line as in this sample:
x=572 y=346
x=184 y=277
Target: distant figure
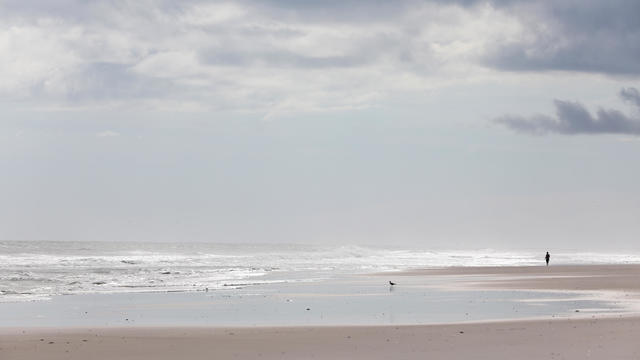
x=391 y=283
x=547 y=257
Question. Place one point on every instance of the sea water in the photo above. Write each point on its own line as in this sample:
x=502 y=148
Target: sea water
x=39 y=270
x=343 y=300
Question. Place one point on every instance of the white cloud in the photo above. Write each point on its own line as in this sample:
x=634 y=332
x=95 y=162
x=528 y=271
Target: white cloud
x=171 y=65
x=238 y=56
x=212 y=14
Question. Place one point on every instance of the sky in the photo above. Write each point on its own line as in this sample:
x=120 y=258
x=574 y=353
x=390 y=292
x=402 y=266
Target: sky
x=434 y=124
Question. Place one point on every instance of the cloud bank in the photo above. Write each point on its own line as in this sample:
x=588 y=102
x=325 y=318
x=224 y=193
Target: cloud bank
x=572 y=118
x=271 y=56
x=284 y=56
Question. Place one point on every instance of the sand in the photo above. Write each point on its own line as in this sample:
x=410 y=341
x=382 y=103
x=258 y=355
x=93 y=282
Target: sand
x=579 y=277
x=555 y=339
x=596 y=336
x=613 y=278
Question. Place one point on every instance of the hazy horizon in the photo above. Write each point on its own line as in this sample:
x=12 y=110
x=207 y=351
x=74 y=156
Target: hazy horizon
x=425 y=246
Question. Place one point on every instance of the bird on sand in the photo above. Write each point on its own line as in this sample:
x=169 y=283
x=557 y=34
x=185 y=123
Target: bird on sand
x=391 y=283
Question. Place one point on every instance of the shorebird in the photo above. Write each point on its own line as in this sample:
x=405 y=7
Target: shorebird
x=391 y=283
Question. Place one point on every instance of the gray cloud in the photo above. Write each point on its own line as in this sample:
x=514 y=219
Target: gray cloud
x=572 y=118
x=103 y=80
x=338 y=11
x=631 y=95
x=278 y=59
x=572 y=35
x=585 y=36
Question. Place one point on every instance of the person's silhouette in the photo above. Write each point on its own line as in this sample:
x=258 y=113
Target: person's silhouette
x=547 y=257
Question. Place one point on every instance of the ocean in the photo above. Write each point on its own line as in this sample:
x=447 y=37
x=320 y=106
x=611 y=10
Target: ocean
x=39 y=270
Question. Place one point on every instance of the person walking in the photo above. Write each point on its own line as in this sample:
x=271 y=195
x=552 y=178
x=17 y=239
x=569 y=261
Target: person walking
x=547 y=257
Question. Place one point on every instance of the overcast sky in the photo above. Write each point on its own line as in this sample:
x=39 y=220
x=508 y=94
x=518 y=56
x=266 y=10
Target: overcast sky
x=434 y=124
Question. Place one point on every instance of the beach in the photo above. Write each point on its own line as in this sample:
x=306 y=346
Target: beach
x=578 y=334
x=536 y=339
x=290 y=179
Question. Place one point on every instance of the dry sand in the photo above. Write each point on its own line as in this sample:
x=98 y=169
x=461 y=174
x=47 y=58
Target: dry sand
x=597 y=337
x=555 y=339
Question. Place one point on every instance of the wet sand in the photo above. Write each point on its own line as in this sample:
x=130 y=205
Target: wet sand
x=618 y=278
x=593 y=336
